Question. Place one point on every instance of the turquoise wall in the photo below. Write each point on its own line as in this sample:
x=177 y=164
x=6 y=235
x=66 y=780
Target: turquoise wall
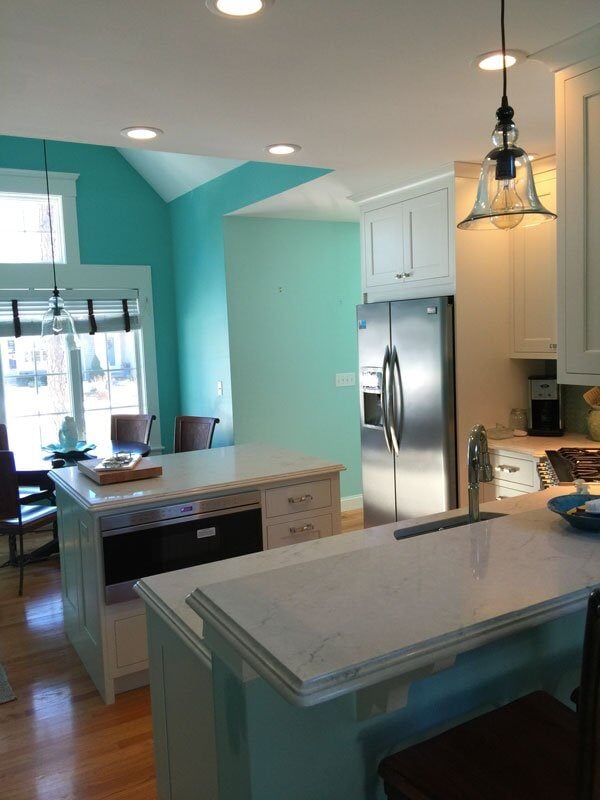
x=121 y=220
x=200 y=286
x=292 y=289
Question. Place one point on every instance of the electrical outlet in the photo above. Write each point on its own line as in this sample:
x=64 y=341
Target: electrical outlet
x=345 y=379
x=219 y=388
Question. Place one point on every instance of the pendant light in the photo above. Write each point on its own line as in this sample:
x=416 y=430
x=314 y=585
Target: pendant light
x=506 y=194
x=56 y=319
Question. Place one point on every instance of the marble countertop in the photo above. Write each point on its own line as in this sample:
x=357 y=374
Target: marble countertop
x=536 y=446
x=319 y=618
x=189 y=475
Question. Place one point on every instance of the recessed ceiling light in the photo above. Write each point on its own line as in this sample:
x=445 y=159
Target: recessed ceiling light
x=238 y=8
x=141 y=132
x=282 y=149
x=493 y=60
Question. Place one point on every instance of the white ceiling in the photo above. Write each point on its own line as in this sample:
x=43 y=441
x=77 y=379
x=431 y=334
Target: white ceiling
x=174 y=174
x=378 y=90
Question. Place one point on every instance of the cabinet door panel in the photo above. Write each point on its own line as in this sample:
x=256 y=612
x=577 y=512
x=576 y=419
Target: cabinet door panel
x=383 y=232
x=581 y=248
x=426 y=236
x=534 y=281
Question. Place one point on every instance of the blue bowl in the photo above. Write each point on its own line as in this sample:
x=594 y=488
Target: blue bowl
x=582 y=520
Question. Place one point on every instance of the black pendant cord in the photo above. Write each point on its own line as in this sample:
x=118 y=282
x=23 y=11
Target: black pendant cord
x=55 y=292
x=505 y=112
x=504 y=97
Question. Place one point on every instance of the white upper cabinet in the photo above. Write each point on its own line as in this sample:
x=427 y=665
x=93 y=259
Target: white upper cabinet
x=578 y=173
x=406 y=243
x=533 y=257
x=425 y=222
x=384 y=245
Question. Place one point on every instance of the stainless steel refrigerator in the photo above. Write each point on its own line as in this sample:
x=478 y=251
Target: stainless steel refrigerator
x=408 y=439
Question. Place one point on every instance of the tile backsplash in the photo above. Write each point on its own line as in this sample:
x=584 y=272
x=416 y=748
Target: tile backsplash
x=575 y=409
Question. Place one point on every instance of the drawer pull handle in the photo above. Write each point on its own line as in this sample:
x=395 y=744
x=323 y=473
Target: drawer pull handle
x=507 y=468
x=303 y=529
x=302 y=499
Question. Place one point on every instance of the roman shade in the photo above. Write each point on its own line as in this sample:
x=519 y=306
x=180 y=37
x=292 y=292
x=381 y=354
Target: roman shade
x=21 y=311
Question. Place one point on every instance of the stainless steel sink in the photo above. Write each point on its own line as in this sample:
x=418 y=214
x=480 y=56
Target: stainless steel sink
x=441 y=524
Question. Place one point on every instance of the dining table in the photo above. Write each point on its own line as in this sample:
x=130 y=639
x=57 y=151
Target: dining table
x=34 y=467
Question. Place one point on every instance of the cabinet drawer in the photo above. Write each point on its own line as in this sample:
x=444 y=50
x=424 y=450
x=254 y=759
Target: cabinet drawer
x=501 y=492
x=511 y=469
x=299 y=497
x=130 y=640
x=299 y=530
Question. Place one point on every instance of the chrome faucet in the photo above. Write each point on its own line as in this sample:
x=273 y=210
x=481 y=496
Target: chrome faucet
x=478 y=466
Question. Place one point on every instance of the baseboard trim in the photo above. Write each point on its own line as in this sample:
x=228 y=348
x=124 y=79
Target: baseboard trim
x=352 y=503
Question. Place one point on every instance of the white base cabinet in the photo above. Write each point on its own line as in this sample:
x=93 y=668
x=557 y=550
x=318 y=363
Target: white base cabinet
x=111 y=640
x=514 y=474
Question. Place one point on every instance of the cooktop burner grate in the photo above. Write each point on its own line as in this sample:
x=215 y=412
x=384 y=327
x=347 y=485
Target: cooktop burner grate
x=569 y=464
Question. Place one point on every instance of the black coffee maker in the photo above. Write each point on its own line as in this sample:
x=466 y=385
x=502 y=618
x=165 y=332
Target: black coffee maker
x=545 y=408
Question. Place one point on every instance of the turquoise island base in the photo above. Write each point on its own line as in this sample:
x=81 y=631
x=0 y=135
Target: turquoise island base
x=289 y=674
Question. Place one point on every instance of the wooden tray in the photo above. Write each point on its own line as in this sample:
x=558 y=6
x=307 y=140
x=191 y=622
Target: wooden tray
x=147 y=468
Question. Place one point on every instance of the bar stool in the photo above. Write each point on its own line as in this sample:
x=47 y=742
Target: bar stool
x=534 y=748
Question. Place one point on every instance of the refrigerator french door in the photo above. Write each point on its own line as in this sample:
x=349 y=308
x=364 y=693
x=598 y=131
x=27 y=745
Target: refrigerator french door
x=408 y=439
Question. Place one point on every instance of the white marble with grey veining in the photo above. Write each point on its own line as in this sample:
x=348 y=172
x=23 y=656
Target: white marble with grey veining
x=326 y=626
x=201 y=472
x=167 y=593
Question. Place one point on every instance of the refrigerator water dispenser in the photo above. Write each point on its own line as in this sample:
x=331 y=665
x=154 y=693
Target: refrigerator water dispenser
x=371 y=379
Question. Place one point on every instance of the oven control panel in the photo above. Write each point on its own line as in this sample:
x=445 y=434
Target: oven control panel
x=151 y=516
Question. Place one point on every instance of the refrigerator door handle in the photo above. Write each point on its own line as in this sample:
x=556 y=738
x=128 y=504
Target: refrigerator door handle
x=396 y=404
x=384 y=397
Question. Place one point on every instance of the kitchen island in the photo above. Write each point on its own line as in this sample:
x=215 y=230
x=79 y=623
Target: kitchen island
x=303 y=667
x=109 y=534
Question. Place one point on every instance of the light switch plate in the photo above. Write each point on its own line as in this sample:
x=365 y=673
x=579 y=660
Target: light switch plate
x=345 y=379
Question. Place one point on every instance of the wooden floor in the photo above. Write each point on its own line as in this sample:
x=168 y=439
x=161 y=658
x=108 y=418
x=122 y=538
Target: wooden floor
x=58 y=741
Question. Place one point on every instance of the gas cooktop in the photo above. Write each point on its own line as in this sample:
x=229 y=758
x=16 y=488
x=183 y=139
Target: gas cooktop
x=569 y=464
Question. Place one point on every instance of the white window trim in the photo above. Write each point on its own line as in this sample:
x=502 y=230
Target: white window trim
x=74 y=275
x=28 y=181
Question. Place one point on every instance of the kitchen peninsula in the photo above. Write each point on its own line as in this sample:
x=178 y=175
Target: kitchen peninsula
x=290 y=674
x=214 y=503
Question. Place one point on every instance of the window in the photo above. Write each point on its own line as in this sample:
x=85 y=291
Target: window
x=25 y=229
x=45 y=379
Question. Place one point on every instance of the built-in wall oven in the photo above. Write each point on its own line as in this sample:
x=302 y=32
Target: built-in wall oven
x=155 y=540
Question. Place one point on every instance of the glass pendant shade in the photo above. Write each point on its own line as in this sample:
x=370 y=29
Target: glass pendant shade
x=506 y=193
x=57 y=320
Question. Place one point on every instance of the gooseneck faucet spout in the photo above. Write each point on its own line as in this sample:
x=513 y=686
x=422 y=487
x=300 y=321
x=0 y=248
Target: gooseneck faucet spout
x=479 y=469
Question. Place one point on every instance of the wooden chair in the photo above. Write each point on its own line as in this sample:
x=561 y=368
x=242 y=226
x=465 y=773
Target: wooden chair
x=27 y=493
x=193 y=433
x=532 y=749
x=17 y=519
x=131 y=427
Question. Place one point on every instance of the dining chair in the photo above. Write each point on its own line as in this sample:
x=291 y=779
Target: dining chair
x=131 y=427
x=27 y=493
x=17 y=519
x=193 y=433
x=534 y=748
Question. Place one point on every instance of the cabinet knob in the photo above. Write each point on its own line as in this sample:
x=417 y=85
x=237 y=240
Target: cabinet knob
x=399 y=276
